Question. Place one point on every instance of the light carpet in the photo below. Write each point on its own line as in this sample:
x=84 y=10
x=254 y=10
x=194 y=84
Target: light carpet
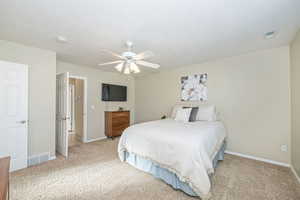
x=94 y=172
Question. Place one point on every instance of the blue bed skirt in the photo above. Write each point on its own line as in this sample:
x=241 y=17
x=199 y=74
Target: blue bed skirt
x=164 y=174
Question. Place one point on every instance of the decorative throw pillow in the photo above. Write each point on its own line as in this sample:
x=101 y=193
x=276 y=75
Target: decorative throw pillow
x=193 y=115
x=183 y=114
x=206 y=113
x=174 y=111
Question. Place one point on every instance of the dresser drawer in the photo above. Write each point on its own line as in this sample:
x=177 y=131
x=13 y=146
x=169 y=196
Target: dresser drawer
x=120 y=114
x=120 y=128
x=119 y=121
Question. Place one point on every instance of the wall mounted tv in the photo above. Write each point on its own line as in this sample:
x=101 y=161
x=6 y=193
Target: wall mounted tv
x=114 y=92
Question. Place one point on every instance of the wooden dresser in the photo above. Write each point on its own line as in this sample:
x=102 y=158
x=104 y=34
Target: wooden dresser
x=4 y=178
x=116 y=122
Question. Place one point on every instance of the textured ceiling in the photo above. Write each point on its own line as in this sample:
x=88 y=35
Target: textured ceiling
x=180 y=33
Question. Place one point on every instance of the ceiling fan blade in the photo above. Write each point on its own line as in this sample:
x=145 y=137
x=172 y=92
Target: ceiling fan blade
x=110 y=63
x=148 y=64
x=112 y=53
x=144 y=55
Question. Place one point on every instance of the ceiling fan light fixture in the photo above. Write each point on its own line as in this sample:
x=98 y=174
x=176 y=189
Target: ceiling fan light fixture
x=127 y=70
x=137 y=70
x=119 y=67
x=134 y=68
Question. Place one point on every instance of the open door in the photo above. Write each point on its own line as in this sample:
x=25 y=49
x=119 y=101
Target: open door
x=62 y=113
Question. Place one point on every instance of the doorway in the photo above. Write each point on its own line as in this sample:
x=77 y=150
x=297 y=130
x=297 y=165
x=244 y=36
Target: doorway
x=77 y=111
x=71 y=107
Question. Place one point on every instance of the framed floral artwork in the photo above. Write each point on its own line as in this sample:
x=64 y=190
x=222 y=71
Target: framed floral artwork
x=194 y=88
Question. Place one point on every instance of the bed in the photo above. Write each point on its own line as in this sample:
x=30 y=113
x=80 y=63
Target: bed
x=181 y=154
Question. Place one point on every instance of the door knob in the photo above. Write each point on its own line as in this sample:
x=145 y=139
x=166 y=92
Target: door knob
x=22 y=122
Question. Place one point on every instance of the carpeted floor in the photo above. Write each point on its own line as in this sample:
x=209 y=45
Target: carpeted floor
x=93 y=171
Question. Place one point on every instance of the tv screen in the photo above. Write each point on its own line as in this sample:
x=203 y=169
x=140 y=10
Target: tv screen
x=114 y=92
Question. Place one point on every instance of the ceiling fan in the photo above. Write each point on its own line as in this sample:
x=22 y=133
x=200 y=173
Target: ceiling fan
x=128 y=61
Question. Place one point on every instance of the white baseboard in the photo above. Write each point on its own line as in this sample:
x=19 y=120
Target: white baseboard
x=38 y=159
x=96 y=139
x=295 y=173
x=259 y=159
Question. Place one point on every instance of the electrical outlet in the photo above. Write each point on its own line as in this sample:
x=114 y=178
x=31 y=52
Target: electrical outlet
x=284 y=148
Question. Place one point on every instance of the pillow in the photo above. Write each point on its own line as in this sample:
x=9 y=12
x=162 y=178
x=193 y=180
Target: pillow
x=193 y=115
x=206 y=113
x=183 y=114
x=174 y=110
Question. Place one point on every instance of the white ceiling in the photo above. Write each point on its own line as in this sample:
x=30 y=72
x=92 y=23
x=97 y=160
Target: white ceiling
x=179 y=32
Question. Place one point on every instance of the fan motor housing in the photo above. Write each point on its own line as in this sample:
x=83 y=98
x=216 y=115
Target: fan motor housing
x=129 y=55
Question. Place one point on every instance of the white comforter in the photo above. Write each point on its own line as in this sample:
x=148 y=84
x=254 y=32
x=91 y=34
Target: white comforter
x=187 y=149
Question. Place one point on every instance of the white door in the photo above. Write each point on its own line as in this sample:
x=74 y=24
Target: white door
x=62 y=113
x=14 y=113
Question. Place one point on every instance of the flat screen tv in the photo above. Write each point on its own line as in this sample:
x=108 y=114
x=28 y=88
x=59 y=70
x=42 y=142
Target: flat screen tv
x=114 y=92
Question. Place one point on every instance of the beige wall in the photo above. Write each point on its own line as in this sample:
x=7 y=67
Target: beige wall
x=42 y=76
x=295 y=85
x=95 y=78
x=251 y=91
